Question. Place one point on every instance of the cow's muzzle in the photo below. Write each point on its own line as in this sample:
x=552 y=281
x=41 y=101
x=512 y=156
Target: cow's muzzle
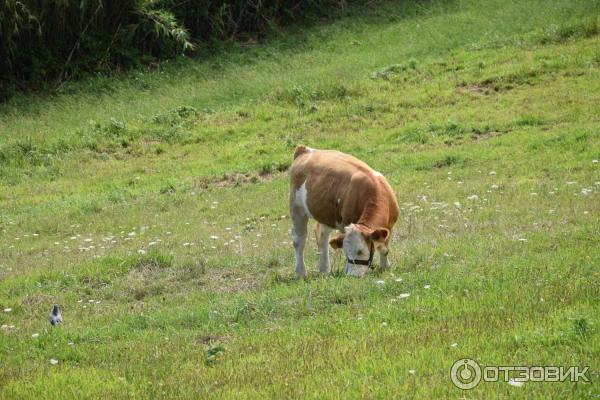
x=368 y=262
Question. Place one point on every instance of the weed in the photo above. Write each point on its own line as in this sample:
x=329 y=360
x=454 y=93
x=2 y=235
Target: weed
x=212 y=354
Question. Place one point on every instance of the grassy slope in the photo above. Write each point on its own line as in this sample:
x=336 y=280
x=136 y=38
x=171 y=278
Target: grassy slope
x=497 y=100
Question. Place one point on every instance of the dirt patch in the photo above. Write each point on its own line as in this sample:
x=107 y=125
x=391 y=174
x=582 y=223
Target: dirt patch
x=475 y=88
x=142 y=283
x=221 y=281
x=487 y=135
x=234 y=179
x=37 y=300
x=486 y=87
x=208 y=339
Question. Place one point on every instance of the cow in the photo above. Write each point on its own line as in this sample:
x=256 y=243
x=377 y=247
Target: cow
x=340 y=192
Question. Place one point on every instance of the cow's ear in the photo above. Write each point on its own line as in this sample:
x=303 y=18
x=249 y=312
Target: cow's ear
x=337 y=242
x=380 y=235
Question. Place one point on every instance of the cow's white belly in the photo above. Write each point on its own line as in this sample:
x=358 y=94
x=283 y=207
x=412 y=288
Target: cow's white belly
x=300 y=198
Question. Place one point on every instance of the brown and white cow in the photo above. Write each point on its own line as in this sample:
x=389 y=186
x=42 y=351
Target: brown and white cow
x=341 y=192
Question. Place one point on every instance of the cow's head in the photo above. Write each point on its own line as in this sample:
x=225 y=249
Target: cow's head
x=359 y=242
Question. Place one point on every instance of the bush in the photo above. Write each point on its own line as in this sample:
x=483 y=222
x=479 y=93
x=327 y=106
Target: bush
x=55 y=40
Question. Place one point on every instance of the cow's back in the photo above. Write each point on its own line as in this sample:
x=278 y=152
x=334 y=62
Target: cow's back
x=337 y=185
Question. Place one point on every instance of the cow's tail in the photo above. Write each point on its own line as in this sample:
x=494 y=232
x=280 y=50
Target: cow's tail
x=300 y=150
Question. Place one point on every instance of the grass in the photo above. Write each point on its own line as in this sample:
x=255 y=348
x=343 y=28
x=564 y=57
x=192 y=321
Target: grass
x=152 y=208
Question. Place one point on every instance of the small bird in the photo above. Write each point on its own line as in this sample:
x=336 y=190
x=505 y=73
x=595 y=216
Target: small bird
x=55 y=315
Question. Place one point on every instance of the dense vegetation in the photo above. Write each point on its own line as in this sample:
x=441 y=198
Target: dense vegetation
x=152 y=206
x=57 y=40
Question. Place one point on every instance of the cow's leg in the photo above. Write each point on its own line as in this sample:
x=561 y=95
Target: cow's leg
x=383 y=261
x=323 y=244
x=299 y=223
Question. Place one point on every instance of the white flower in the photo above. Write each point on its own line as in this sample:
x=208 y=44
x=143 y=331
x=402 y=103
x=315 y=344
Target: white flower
x=514 y=383
x=53 y=361
x=595 y=161
x=213 y=237
x=403 y=295
x=142 y=251
x=454 y=345
x=398 y=279
x=7 y=310
x=411 y=371
x=384 y=324
x=426 y=286
x=35 y=335
x=380 y=282
x=492 y=172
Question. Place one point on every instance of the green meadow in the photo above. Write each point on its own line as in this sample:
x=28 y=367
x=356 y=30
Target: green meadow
x=152 y=207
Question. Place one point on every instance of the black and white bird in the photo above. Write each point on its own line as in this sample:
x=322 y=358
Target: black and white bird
x=55 y=315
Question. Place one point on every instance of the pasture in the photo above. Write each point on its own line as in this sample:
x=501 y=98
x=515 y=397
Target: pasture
x=152 y=207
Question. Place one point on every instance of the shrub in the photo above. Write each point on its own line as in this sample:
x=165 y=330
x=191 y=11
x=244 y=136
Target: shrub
x=42 y=41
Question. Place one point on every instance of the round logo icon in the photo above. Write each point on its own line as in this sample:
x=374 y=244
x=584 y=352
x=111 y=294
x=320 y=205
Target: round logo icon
x=465 y=373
